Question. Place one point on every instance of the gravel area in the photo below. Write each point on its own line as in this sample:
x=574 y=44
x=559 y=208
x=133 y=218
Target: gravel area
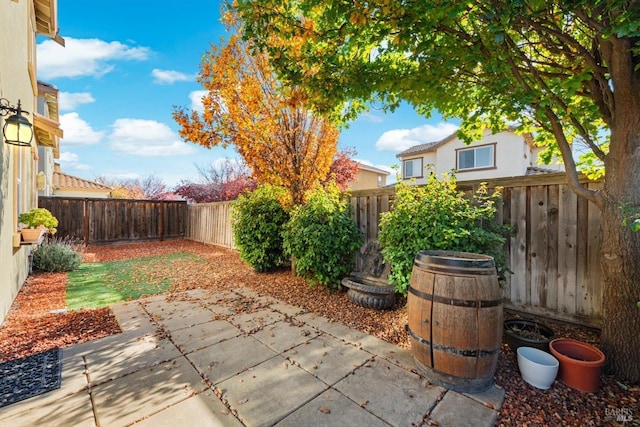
x=37 y=322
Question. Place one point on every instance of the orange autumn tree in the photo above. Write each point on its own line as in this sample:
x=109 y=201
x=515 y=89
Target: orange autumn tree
x=269 y=124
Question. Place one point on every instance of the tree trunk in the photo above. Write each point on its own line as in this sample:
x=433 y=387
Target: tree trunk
x=620 y=262
x=620 y=256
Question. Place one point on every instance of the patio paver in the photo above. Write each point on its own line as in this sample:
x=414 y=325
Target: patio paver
x=188 y=356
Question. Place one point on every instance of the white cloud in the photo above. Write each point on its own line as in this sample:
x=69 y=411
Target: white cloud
x=77 y=131
x=196 y=100
x=370 y=117
x=69 y=101
x=400 y=139
x=71 y=161
x=84 y=57
x=147 y=138
x=168 y=77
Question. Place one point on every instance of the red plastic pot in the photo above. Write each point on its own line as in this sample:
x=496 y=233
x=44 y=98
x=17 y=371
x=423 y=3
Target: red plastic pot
x=580 y=364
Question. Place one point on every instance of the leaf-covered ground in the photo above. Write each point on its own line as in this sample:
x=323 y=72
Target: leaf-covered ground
x=31 y=327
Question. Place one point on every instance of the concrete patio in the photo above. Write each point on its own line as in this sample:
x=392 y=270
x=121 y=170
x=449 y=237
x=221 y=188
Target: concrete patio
x=236 y=358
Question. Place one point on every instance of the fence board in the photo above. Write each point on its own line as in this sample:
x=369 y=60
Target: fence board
x=594 y=288
x=567 y=250
x=539 y=246
x=518 y=255
x=504 y=211
x=553 y=202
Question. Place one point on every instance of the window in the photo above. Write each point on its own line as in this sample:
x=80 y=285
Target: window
x=482 y=157
x=412 y=168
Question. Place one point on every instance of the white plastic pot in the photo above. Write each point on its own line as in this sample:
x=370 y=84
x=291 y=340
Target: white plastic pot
x=537 y=367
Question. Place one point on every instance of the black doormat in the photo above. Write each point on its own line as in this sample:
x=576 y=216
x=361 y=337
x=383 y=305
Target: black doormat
x=30 y=376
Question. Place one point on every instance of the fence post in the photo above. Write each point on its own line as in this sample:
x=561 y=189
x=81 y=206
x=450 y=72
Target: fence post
x=161 y=222
x=85 y=210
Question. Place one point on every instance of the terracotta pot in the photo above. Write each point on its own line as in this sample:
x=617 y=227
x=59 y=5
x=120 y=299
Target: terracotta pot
x=31 y=235
x=580 y=364
x=515 y=340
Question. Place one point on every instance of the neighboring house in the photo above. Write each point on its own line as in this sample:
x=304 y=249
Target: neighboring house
x=71 y=186
x=503 y=154
x=369 y=178
x=21 y=21
x=49 y=147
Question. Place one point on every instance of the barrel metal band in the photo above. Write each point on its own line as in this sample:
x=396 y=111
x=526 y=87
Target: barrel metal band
x=456 y=351
x=457 y=271
x=455 y=301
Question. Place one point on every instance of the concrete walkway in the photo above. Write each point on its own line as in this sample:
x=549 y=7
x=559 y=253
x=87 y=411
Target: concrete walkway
x=238 y=358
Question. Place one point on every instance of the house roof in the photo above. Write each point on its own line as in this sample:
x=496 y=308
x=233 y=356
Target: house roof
x=372 y=169
x=47 y=19
x=535 y=170
x=425 y=148
x=62 y=181
x=431 y=146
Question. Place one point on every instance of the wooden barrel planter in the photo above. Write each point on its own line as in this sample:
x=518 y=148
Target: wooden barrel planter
x=454 y=308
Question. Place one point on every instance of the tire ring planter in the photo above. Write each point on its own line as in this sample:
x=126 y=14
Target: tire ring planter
x=515 y=340
x=370 y=294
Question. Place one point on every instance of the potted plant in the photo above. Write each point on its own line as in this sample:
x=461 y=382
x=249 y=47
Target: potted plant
x=36 y=222
x=527 y=333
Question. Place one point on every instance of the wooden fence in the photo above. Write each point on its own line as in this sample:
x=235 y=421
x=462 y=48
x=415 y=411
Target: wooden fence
x=113 y=220
x=210 y=223
x=553 y=253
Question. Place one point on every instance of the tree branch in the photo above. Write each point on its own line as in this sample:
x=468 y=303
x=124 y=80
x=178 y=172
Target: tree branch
x=570 y=165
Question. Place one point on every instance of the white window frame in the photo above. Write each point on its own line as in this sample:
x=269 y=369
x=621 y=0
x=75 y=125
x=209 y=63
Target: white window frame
x=417 y=172
x=474 y=150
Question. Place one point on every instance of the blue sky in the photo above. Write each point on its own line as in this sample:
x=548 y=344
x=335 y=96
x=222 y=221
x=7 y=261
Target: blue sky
x=125 y=66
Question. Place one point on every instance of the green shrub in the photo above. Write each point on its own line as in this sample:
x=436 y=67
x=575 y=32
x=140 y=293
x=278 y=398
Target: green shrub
x=437 y=216
x=322 y=237
x=257 y=222
x=56 y=255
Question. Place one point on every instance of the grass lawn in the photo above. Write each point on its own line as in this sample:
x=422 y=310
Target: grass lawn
x=96 y=285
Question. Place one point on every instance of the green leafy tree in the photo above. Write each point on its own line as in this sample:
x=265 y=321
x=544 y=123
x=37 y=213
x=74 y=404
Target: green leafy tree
x=567 y=70
x=438 y=216
x=322 y=237
x=257 y=221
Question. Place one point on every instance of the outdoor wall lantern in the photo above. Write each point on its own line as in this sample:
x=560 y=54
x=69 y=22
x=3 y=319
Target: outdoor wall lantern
x=17 y=130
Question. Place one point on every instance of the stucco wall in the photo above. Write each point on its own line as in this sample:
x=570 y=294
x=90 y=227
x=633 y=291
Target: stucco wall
x=94 y=194
x=368 y=180
x=15 y=162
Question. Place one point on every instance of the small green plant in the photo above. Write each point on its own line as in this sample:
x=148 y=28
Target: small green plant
x=630 y=217
x=437 y=216
x=37 y=217
x=257 y=221
x=56 y=255
x=322 y=237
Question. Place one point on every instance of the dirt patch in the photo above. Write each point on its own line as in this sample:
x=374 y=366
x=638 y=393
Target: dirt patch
x=31 y=327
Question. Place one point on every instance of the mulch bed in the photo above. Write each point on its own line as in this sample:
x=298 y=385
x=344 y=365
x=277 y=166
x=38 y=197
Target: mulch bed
x=31 y=327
